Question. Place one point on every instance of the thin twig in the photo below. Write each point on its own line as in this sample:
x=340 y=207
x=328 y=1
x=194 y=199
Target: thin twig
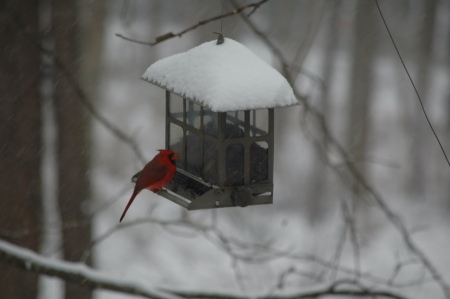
x=285 y=65
x=170 y=35
x=276 y=51
x=393 y=218
x=84 y=99
x=354 y=289
x=336 y=258
x=93 y=279
x=350 y=220
x=121 y=226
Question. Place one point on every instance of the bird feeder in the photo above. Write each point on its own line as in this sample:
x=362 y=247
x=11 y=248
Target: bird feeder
x=220 y=101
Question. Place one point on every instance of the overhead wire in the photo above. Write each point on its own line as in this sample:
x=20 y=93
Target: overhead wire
x=412 y=83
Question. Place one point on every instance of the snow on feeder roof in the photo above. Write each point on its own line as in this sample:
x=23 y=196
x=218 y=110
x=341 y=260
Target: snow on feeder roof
x=225 y=77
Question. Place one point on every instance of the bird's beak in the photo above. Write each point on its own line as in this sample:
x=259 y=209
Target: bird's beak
x=175 y=157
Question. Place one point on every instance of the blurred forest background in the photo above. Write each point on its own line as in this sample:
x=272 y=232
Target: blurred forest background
x=361 y=202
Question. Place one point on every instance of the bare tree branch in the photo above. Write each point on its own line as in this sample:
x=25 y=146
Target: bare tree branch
x=287 y=67
x=84 y=99
x=354 y=289
x=250 y=253
x=350 y=222
x=75 y=272
x=31 y=261
x=82 y=95
x=169 y=35
x=393 y=218
x=90 y=278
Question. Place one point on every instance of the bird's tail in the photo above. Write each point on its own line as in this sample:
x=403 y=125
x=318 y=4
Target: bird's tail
x=129 y=204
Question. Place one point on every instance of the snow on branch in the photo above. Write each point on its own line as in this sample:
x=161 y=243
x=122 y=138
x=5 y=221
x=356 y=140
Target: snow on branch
x=93 y=279
x=351 y=289
x=74 y=272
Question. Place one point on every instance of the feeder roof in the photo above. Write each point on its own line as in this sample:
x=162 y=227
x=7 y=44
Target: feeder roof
x=226 y=77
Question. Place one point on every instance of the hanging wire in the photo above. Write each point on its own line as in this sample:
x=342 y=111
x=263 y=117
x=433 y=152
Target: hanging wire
x=220 y=39
x=412 y=82
x=221 y=21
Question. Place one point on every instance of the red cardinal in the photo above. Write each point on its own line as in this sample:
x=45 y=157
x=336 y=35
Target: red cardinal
x=155 y=175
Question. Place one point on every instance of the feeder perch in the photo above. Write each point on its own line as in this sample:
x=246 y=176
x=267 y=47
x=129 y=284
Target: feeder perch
x=220 y=101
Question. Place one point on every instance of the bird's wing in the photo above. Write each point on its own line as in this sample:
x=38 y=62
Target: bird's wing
x=152 y=173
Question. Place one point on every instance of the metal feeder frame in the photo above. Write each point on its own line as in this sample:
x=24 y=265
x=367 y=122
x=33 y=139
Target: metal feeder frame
x=194 y=192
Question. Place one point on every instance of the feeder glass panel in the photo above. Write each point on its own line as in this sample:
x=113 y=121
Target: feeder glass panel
x=259 y=122
x=235 y=165
x=210 y=122
x=193 y=117
x=259 y=162
x=176 y=143
x=235 y=124
x=194 y=162
x=176 y=106
x=210 y=164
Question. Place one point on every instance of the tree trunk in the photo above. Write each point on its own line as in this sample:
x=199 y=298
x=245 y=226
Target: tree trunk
x=419 y=129
x=20 y=158
x=73 y=151
x=361 y=84
x=318 y=178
